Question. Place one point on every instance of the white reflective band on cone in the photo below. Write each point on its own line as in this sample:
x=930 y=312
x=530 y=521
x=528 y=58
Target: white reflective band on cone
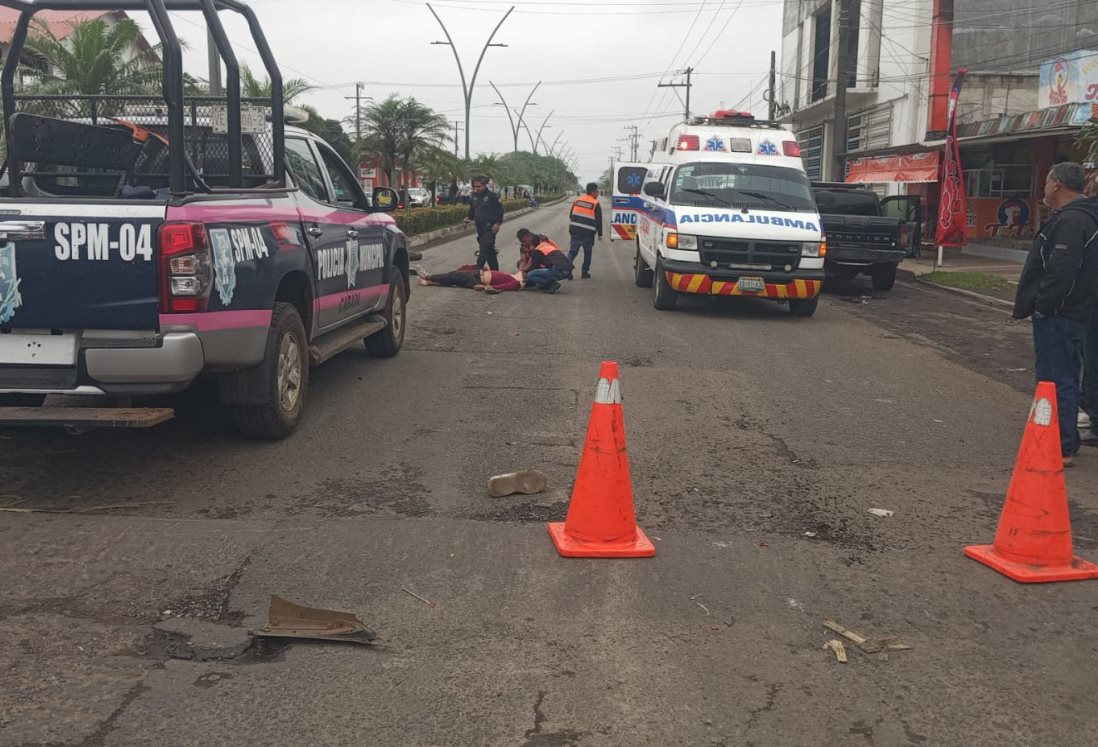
x=608 y=393
x=1042 y=412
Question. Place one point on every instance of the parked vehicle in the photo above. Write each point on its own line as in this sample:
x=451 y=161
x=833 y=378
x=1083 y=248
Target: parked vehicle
x=418 y=197
x=728 y=211
x=626 y=199
x=143 y=252
x=861 y=239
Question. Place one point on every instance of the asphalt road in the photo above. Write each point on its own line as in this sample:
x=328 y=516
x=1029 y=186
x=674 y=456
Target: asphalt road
x=758 y=444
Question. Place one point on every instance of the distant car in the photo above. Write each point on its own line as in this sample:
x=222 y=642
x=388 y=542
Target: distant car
x=418 y=197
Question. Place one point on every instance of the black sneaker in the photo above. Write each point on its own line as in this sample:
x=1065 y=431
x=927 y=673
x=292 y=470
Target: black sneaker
x=553 y=287
x=585 y=275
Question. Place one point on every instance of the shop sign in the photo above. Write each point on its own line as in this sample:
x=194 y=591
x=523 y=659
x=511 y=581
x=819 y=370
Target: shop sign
x=1069 y=79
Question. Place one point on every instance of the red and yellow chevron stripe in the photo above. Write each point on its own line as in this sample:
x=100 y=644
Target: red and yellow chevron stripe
x=625 y=231
x=704 y=285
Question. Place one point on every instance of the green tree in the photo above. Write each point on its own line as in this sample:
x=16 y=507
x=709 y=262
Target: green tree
x=437 y=165
x=95 y=58
x=396 y=131
x=1088 y=140
x=252 y=87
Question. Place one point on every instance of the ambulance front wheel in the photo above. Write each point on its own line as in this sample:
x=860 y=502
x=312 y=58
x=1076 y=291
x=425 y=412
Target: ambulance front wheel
x=642 y=273
x=665 y=296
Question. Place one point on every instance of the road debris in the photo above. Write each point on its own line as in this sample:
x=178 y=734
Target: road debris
x=525 y=481
x=288 y=620
x=426 y=601
x=839 y=649
x=694 y=599
x=811 y=534
x=882 y=512
x=868 y=645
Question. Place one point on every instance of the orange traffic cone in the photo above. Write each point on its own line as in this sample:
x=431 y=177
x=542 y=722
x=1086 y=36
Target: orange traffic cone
x=601 y=522
x=1033 y=542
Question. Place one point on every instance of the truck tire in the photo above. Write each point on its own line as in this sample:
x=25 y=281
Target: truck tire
x=642 y=273
x=22 y=400
x=884 y=277
x=804 y=306
x=288 y=353
x=665 y=296
x=387 y=342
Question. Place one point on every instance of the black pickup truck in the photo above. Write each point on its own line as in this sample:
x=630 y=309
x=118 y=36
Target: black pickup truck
x=865 y=234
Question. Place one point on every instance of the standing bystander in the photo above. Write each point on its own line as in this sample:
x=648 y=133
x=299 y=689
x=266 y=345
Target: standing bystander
x=1059 y=288
x=584 y=222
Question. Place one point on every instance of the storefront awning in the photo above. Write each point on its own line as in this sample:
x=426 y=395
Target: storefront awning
x=912 y=167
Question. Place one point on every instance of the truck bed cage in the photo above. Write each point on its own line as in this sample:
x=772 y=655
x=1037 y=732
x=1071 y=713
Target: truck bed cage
x=172 y=81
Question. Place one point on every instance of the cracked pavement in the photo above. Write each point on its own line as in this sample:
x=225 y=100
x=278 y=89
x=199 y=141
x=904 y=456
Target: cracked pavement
x=758 y=443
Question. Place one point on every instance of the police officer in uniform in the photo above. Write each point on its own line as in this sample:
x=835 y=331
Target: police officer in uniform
x=486 y=212
x=584 y=222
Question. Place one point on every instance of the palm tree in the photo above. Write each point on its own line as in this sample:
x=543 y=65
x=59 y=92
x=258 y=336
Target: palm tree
x=420 y=128
x=436 y=164
x=96 y=58
x=1088 y=140
x=381 y=134
x=252 y=87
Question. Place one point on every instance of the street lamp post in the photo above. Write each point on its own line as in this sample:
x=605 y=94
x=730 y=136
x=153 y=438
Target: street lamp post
x=552 y=148
x=467 y=89
x=515 y=126
x=534 y=142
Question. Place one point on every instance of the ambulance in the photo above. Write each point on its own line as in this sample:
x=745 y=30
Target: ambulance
x=626 y=200
x=727 y=210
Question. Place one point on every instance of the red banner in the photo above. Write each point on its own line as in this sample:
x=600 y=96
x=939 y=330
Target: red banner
x=952 y=208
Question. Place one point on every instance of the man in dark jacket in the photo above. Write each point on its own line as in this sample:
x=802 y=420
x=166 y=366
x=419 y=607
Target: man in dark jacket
x=1059 y=288
x=486 y=212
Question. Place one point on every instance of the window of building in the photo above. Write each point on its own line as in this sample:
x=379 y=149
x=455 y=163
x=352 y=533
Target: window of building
x=869 y=130
x=811 y=142
x=821 y=55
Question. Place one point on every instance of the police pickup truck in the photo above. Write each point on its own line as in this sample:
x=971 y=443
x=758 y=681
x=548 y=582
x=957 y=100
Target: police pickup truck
x=149 y=241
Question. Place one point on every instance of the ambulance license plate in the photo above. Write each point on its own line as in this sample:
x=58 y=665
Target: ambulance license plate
x=38 y=350
x=752 y=285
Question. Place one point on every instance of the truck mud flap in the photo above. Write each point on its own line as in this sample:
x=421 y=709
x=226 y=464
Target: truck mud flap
x=82 y=419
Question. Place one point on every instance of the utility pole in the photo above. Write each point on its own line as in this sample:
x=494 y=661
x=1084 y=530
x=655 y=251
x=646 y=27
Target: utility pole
x=215 y=64
x=634 y=140
x=838 y=172
x=685 y=85
x=457 y=129
x=358 y=110
x=773 y=84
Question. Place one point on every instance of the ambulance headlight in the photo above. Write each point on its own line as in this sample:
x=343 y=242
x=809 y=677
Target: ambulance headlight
x=682 y=241
x=813 y=249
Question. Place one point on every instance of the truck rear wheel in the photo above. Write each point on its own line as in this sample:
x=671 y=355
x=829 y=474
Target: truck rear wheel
x=287 y=356
x=804 y=306
x=387 y=342
x=884 y=277
x=642 y=273
x=665 y=296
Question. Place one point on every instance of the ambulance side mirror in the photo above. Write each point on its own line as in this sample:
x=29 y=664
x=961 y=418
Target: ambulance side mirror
x=654 y=189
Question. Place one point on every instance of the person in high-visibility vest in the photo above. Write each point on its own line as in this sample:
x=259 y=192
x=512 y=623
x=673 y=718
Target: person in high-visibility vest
x=543 y=263
x=584 y=223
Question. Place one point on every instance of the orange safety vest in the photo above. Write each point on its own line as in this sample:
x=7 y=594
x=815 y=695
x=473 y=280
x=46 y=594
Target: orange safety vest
x=546 y=247
x=583 y=214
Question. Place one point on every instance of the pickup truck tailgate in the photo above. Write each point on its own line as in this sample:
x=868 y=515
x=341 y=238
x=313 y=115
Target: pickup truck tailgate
x=78 y=266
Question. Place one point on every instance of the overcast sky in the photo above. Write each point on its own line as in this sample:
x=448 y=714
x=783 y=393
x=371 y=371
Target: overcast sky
x=599 y=62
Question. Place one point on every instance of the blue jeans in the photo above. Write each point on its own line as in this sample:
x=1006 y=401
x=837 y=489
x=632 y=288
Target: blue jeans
x=1057 y=344
x=545 y=277
x=1088 y=399
x=587 y=243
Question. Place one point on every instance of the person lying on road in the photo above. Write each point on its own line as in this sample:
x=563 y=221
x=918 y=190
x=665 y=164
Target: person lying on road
x=468 y=276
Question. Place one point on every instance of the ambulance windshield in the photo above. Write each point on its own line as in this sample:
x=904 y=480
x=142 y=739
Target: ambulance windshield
x=762 y=187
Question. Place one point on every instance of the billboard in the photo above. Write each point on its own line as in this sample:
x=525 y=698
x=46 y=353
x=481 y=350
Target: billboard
x=1071 y=78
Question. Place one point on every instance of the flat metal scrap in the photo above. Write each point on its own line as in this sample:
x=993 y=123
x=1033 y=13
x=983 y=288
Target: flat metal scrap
x=288 y=620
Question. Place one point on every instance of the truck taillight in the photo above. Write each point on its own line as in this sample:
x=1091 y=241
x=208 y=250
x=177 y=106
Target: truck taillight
x=689 y=142
x=791 y=148
x=185 y=267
